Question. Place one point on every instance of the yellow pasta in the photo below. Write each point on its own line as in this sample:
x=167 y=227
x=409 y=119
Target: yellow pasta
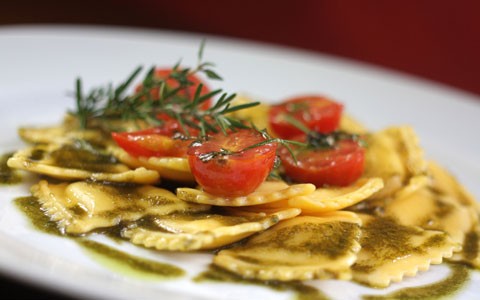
x=301 y=248
x=390 y=251
x=172 y=168
x=199 y=231
x=394 y=154
x=269 y=191
x=81 y=207
x=70 y=162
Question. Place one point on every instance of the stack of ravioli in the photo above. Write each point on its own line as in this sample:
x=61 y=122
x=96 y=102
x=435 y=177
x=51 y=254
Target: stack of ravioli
x=401 y=216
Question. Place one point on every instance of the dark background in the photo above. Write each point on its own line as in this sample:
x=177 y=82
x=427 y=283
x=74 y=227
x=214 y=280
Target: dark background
x=436 y=40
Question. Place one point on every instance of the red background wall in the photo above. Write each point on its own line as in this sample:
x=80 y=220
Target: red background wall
x=439 y=40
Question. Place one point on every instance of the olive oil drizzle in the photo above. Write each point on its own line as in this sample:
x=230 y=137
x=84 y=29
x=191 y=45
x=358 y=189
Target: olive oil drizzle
x=301 y=290
x=8 y=175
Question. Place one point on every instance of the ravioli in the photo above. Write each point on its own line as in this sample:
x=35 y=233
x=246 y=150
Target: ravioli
x=268 y=191
x=391 y=251
x=200 y=231
x=59 y=134
x=414 y=184
x=77 y=161
x=257 y=115
x=81 y=207
x=172 y=168
x=393 y=154
x=444 y=182
x=470 y=253
x=401 y=216
x=302 y=248
x=336 y=198
x=350 y=125
x=433 y=211
x=463 y=223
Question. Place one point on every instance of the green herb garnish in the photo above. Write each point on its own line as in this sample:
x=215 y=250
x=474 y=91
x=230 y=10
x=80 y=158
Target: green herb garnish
x=114 y=103
x=318 y=140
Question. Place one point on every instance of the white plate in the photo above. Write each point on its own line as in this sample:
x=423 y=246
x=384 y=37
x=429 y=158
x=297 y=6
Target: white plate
x=38 y=68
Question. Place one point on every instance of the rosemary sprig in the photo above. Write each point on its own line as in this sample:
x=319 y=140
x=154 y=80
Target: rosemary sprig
x=160 y=96
x=318 y=140
x=156 y=96
x=268 y=140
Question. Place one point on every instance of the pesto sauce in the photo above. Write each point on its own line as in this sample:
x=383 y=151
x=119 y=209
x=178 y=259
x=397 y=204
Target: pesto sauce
x=129 y=264
x=37 y=154
x=77 y=157
x=8 y=175
x=443 y=209
x=108 y=256
x=470 y=245
x=336 y=240
x=446 y=288
x=147 y=269
x=301 y=290
x=32 y=209
x=221 y=219
x=387 y=240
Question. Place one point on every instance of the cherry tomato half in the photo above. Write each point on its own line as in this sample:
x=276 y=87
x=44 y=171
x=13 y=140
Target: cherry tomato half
x=238 y=173
x=339 y=166
x=188 y=92
x=317 y=113
x=157 y=141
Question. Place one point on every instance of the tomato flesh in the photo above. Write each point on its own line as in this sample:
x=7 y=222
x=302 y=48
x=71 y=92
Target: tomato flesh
x=339 y=166
x=188 y=92
x=157 y=141
x=317 y=113
x=236 y=174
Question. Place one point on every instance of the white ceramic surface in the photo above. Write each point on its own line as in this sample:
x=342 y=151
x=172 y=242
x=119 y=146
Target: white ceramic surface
x=38 y=66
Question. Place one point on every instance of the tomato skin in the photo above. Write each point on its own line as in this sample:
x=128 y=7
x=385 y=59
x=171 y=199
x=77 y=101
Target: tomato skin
x=236 y=174
x=149 y=145
x=339 y=166
x=189 y=92
x=156 y=141
x=317 y=113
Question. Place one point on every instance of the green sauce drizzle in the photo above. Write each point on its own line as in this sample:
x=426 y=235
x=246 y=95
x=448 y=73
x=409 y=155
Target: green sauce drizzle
x=114 y=259
x=8 y=175
x=130 y=264
x=336 y=239
x=301 y=290
x=81 y=157
x=386 y=240
x=32 y=209
x=445 y=288
x=470 y=245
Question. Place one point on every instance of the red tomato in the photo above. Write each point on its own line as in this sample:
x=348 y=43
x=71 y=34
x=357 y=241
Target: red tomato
x=188 y=92
x=339 y=166
x=235 y=174
x=317 y=113
x=155 y=141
